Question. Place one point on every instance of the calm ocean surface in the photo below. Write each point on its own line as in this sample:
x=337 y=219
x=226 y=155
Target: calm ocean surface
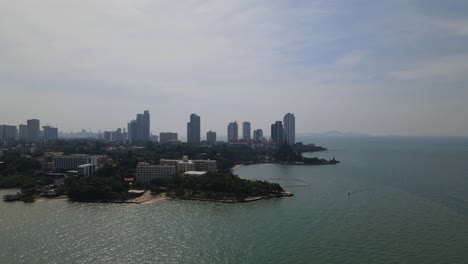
x=408 y=203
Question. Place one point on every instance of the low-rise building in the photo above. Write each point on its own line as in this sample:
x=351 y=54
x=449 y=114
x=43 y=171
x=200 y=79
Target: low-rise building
x=205 y=165
x=147 y=172
x=190 y=165
x=195 y=173
x=71 y=162
x=26 y=149
x=47 y=165
x=165 y=137
x=183 y=166
x=86 y=169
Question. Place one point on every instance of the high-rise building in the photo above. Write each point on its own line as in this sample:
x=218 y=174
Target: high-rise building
x=33 y=130
x=289 y=122
x=246 y=131
x=142 y=128
x=23 y=132
x=107 y=135
x=132 y=131
x=117 y=135
x=277 y=133
x=193 y=129
x=146 y=126
x=211 y=137
x=258 y=135
x=139 y=121
x=233 y=132
x=50 y=132
x=8 y=132
x=165 y=137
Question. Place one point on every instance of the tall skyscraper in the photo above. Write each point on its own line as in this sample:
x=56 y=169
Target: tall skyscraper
x=8 y=132
x=211 y=137
x=132 y=131
x=258 y=135
x=139 y=132
x=141 y=128
x=146 y=126
x=277 y=133
x=23 y=132
x=33 y=130
x=289 y=122
x=232 y=132
x=193 y=129
x=246 y=131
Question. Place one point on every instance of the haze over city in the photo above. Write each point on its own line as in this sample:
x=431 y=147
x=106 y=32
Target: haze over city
x=394 y=67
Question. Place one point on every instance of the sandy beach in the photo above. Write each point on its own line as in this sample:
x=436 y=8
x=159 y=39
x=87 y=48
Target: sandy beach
x=147 y=197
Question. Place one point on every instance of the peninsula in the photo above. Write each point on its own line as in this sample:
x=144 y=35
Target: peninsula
x=114 y=180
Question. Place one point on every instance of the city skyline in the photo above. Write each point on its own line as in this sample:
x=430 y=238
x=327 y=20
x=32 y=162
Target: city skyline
x=139 y=129
x=338 y=65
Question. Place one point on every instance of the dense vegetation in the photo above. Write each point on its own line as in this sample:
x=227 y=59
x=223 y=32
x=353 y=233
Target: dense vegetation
x=218 y=186
x=95 y=188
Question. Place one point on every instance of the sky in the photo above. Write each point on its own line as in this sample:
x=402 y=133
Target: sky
x=395 y=67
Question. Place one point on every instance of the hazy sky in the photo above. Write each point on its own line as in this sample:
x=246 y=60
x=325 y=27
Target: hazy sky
x=379 y=67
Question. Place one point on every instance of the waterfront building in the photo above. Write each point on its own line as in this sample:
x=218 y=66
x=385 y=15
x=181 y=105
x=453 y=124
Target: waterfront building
x=246 y=131
x=71 y=162
x=165 y=137
x=193 y=129
x=146 y=172
x=232 y=132
x=33 y=130
x=85 y=170
x=23 y=132
x=258 y=135
x=50 y=133
x=205 y=165
x=211 y=137
x=195 y=173
x=289 y=123
x=185 y=164
x=277 y=133
x=169 y=162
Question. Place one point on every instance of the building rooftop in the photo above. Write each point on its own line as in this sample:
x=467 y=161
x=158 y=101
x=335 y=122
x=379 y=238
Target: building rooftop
x=195 y=173
x=84 y=165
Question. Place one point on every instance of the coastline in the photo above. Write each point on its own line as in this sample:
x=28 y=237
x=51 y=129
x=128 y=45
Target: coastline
x=148 y=198
x=235 y=200
x=297 y=163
